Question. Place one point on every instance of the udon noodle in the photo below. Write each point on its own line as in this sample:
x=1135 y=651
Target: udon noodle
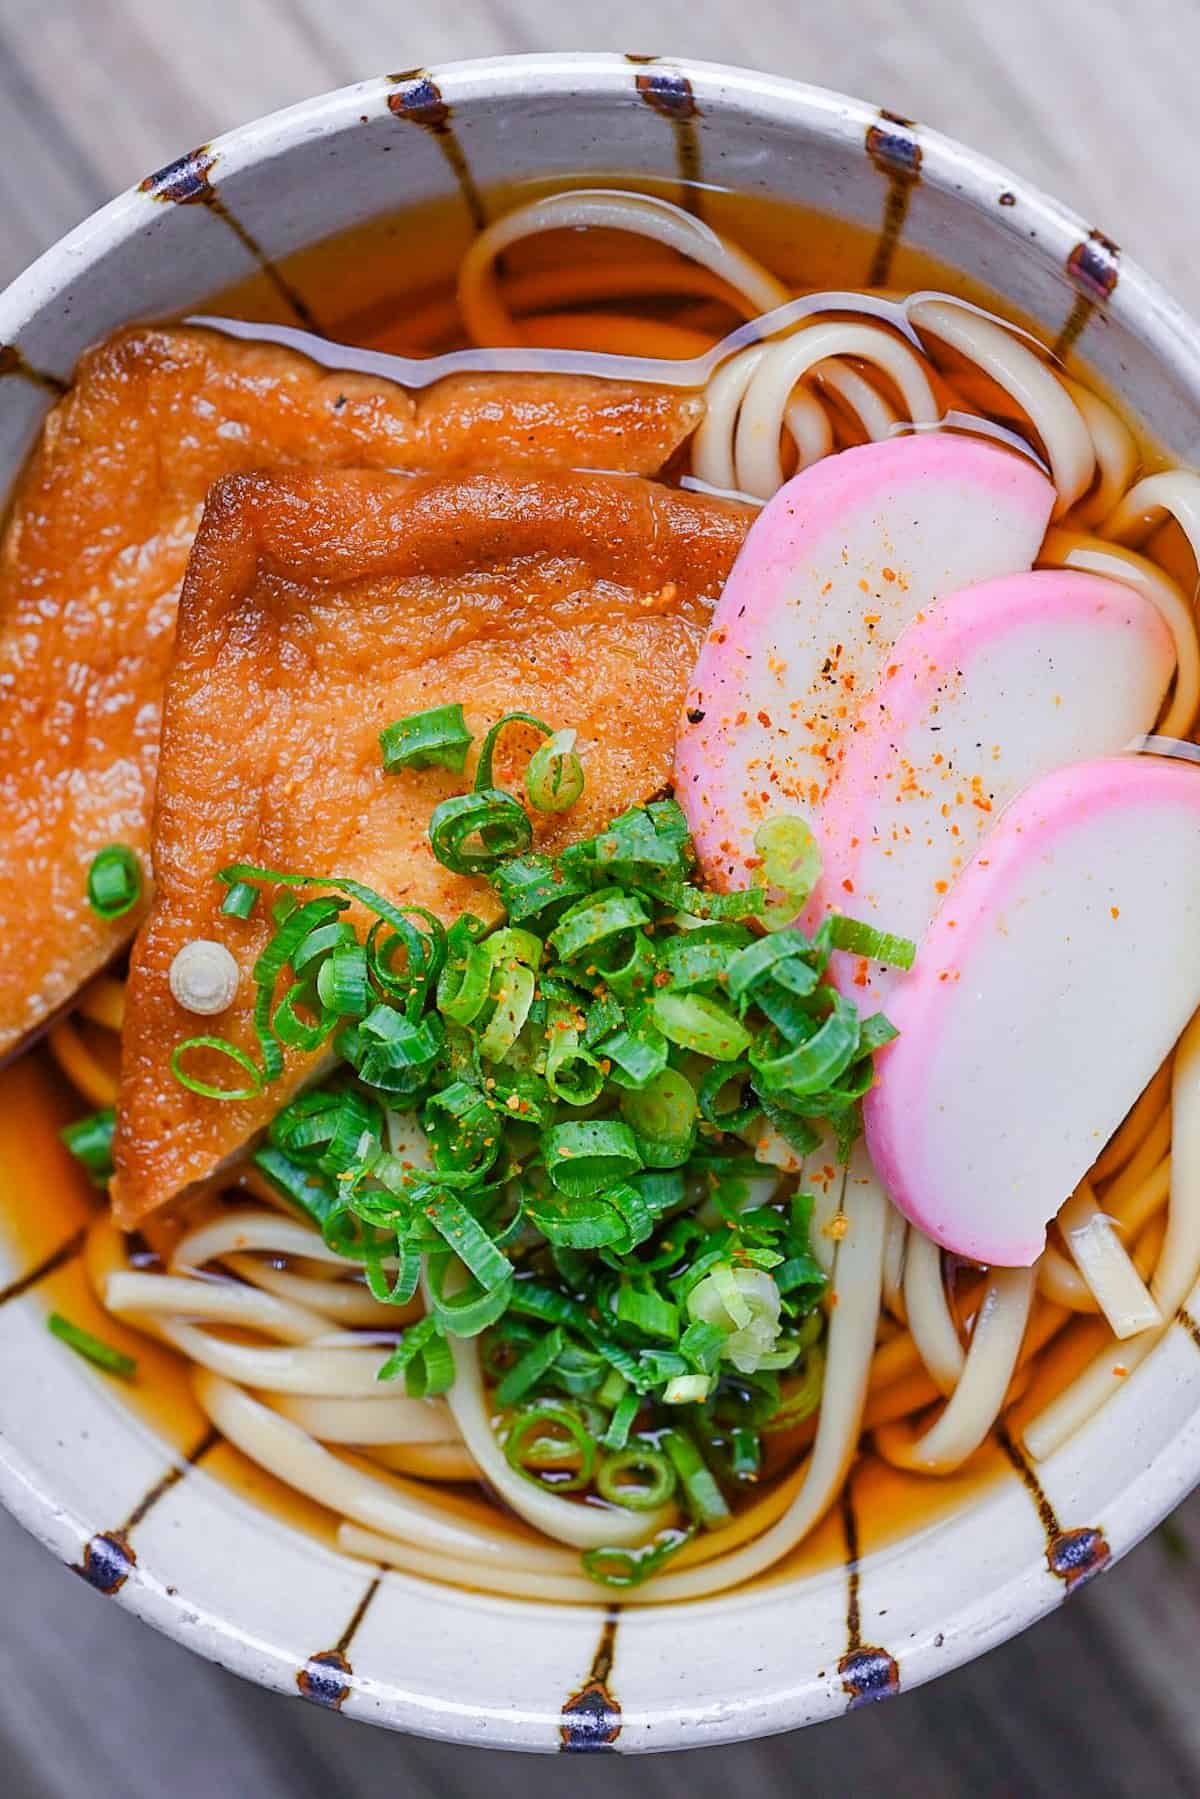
x=920 y=1352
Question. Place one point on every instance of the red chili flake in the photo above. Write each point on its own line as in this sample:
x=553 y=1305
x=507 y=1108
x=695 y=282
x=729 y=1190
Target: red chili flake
x=848 y=885
x=764 y=718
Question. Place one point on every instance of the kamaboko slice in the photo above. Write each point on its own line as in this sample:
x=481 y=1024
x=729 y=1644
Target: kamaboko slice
x=837 y=565
x=994 y=687
x=1047 y=992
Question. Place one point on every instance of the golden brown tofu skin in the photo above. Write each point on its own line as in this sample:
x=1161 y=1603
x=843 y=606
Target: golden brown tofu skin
x=319 y=608
x=95 y=548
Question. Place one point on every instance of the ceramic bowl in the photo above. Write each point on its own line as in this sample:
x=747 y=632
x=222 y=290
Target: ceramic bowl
x=157 y=1531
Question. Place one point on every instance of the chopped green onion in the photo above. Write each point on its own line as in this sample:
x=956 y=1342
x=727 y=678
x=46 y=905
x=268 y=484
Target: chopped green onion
x=760 y=959
x=686 y=1389
x=619 y=1425
x=436 y=738
x=462 y=988
x=113 y=1361
x=114 y=882
x=483 y=773
x=90 y=1141
x=704 y=1496
x=572 y=1443
x=652 y=1483
x=240 y=901
x=647 y=1311
x=804 y=1398
x=473 y=833
x=529 y=885
x=512 y=987
x=554 y=778
x=663 y=1113
x=745 y=1453
x=876 y=1031
x=463 y=1233
x=573 y=1074
x=589 y=922
x=637 y=1053
x=617 y=1217
x=701 y=957
x=530 y=1369
x=860 y=939
x=424 y=1358
x=791 y=860
x=342 y=984
x=218 y=1046
x=700 y=1024
x=813 y=1065
x=584 y=1156
x=632 y=1567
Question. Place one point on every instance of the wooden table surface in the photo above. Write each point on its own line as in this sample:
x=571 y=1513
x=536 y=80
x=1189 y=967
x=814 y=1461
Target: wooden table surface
x=1098 y=104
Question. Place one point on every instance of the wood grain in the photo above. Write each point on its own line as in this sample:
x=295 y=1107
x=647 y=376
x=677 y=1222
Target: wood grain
x=1096 y=103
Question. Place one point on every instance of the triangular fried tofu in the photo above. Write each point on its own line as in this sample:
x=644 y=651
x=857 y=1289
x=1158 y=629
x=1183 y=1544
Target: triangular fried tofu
x=95 y=549
x=320 y=607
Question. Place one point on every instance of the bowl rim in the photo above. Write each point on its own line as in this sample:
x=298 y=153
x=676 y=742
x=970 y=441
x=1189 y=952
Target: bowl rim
x=1174 y=342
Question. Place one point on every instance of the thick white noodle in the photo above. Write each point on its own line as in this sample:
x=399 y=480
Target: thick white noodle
x=347 y=1302
x=895 y=1250
x=804 y=416
x=426 y=1461
x=1091 y=555
x=320 y=1373
x=756 y=442
x=254 y=1229
x=929 y=1318
x=827 y=1206
x=524 y=1583
x=1115 y=449
x=877 y=418
x=488 y=320
x=1175 y=493
x=1060 y=1281
x=808 y=424
x=584 y=1526
x=853 y=1321
x=1174 y=1277
x=214 y=1302
x=391 y=1418
x=972 y=1408
x=383 y=1502
x=1105 y=1265
x=1037 y=390
x=712 y=446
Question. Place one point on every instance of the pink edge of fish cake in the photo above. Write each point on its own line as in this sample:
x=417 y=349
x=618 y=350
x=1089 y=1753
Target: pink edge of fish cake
x=835 y=567
x=1150 y=806
x=1090 y=662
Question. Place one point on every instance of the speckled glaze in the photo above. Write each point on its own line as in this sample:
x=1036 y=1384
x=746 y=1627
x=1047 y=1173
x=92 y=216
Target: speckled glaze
x=156 y=1532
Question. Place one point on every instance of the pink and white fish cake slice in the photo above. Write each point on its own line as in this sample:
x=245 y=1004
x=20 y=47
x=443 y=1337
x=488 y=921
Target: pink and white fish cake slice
x=843 y=558
x=1046 y=994
x=993 y=687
